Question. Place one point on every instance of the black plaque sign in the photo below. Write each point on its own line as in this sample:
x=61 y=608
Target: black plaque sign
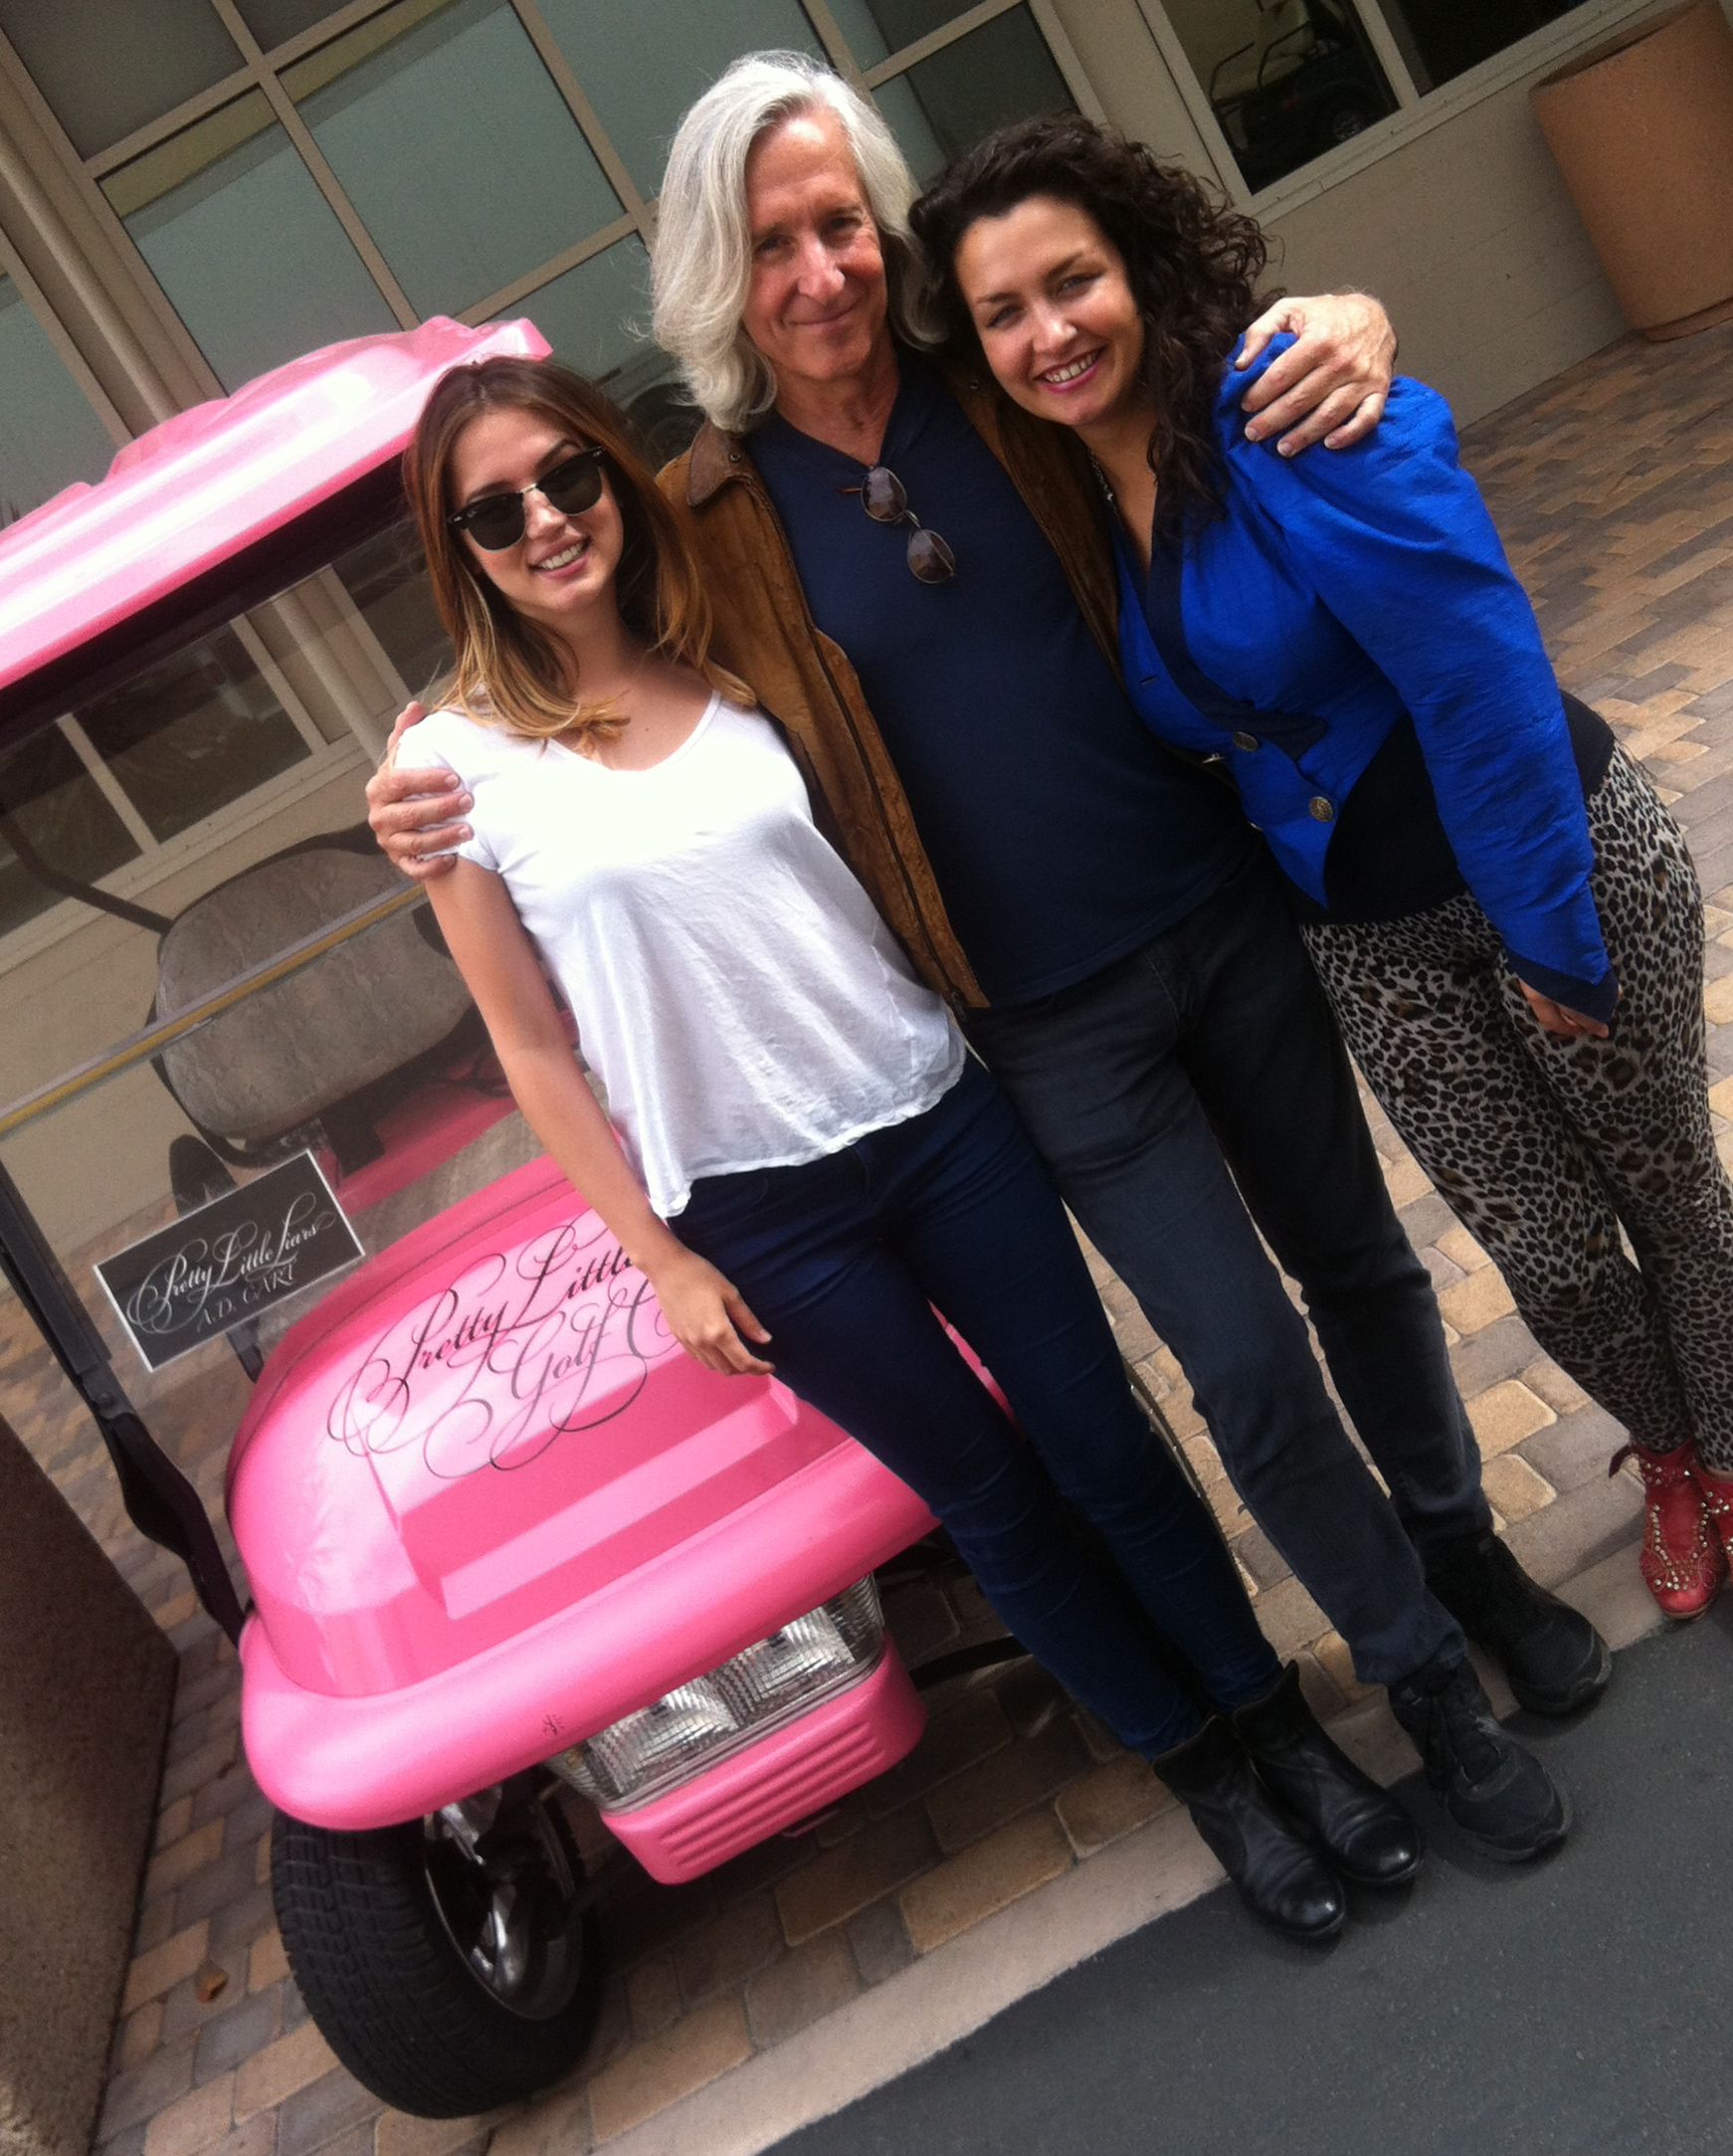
x=230 y=1260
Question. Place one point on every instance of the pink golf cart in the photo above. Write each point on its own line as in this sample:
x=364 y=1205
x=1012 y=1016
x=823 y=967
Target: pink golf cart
x=503 y=1540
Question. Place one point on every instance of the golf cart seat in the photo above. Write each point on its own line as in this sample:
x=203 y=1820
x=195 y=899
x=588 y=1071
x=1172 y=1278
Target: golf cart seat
x=321 y=1043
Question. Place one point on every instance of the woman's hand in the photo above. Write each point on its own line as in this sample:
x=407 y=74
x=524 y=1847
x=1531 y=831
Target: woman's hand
x=1330 y=385
x=412 y=813
x=707 y=1316
x=1560 y=1019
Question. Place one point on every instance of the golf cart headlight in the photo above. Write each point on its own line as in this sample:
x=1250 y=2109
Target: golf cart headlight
x=800 y=1660
x=697 y=1724
x=654 y=1744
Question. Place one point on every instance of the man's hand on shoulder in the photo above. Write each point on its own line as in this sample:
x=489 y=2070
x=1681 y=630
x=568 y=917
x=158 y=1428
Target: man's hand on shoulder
x=1330 y=384
x=414 y=814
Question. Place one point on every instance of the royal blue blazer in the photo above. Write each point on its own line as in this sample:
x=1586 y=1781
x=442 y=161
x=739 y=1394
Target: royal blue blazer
x=1342 y=589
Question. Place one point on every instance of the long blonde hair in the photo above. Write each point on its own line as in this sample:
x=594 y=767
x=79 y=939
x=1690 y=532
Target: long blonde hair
x=508 y=669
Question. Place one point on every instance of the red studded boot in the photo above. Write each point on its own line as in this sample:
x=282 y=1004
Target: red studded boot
x=1717 y=1501
x=1681 y=1561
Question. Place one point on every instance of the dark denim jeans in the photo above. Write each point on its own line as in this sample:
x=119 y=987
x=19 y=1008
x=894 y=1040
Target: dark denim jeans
x=1217 y=1040
x=844 y=1261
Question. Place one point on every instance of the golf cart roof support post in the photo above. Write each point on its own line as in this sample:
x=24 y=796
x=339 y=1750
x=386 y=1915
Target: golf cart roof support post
x=160 y=1502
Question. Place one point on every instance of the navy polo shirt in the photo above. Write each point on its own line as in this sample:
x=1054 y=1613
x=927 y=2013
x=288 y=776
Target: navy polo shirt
x=1062 y=836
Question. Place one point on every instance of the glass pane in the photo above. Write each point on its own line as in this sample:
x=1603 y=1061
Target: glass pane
x=244 y=244
x=193 y=733
x=946 y=104
x=387 y=579
x=595 y=317
x=875 y=29
x=51 y=813
x=1440 y=39
x=49 y=434
x=275 y=22
x=107 y=67
x=640 y=66
x=1288 y=80
x=452 y=143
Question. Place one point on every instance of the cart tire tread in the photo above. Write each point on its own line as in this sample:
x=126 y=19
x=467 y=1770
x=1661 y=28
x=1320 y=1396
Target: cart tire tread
x=387 y=1989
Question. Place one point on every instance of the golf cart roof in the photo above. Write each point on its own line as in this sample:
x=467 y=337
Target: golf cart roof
x=215 y=509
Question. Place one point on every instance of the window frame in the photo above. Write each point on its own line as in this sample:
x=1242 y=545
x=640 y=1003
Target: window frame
x=157 y=859
x=1417 y=111
x=264 y=69
x=164 y=858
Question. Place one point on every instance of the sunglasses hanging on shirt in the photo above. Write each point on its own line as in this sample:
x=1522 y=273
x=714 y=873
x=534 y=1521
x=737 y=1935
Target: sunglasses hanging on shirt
x=496 y=521
x=886 y=499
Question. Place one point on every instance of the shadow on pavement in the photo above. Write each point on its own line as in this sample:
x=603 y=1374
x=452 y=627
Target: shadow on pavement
x=1579 y=2006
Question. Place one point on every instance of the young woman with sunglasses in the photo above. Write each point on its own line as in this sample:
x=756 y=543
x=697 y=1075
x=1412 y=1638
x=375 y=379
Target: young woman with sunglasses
x=797 y=1151
x=1503 y=913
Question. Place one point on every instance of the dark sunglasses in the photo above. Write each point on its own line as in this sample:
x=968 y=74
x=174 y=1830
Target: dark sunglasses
x=886 y=499
x=571 y=488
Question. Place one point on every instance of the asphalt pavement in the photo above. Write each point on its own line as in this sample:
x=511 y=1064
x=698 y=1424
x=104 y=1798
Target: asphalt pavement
x=1579 y=2006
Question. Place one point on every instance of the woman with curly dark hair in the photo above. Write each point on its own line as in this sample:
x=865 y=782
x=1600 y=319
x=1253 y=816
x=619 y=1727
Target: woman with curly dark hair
x=1503 y=913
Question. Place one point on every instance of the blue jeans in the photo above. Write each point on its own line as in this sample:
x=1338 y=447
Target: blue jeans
x=1217 y=1040
x=844 y=1261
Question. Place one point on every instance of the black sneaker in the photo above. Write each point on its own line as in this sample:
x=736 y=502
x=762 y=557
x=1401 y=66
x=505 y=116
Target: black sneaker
x=1554 y=1658
x=1500 y=1796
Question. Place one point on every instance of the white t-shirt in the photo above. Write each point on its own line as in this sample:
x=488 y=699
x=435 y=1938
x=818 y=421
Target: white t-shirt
x=736 y=990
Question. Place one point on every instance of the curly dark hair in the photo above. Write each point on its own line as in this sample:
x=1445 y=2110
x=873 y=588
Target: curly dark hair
x=1192 y=264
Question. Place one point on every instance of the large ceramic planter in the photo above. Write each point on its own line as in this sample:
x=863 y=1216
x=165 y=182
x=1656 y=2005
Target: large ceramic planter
x=1642 y=127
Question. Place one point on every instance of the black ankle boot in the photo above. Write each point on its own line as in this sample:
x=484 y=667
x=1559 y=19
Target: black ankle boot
x=1495 y=1792
x=1369 y=1837
x=1278 y=1874
x=1554 y=1658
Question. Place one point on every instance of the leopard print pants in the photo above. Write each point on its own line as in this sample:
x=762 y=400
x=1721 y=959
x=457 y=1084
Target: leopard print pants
x=1543 y=1147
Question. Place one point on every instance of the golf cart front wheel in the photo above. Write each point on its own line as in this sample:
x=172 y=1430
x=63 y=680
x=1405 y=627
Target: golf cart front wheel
x=451 y=1963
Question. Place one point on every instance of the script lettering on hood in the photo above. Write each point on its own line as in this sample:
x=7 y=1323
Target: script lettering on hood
x=522 y=1347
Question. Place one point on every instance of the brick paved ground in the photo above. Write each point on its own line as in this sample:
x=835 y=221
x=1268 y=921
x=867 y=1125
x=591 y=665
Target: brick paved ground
x=1614 y=485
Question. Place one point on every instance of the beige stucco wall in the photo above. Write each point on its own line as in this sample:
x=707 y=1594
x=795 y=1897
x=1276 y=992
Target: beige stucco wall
x=1467 y=236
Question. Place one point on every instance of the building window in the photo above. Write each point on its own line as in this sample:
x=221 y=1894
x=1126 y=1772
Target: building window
x=51 y=812
x=1287 y=81
x=1442 y=39
x=275 y=22
x=117 y=780
x=249 y=252
x=460 y=155
x=643 y=65
x=469 y=157
x=946 y=102
x=387 y=579
x=192 y=733
x=49 y=434
x=110 y=67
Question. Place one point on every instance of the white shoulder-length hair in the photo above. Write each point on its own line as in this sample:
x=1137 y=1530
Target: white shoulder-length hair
x=702 y=257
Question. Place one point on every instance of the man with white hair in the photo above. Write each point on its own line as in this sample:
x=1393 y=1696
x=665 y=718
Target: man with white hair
x=1100 y=914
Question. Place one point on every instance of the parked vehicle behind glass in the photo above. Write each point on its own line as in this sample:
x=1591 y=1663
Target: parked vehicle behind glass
x=1305 y=85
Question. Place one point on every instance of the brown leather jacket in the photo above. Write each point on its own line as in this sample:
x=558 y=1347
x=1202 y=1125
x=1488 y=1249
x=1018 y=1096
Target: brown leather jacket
x=765 y=633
